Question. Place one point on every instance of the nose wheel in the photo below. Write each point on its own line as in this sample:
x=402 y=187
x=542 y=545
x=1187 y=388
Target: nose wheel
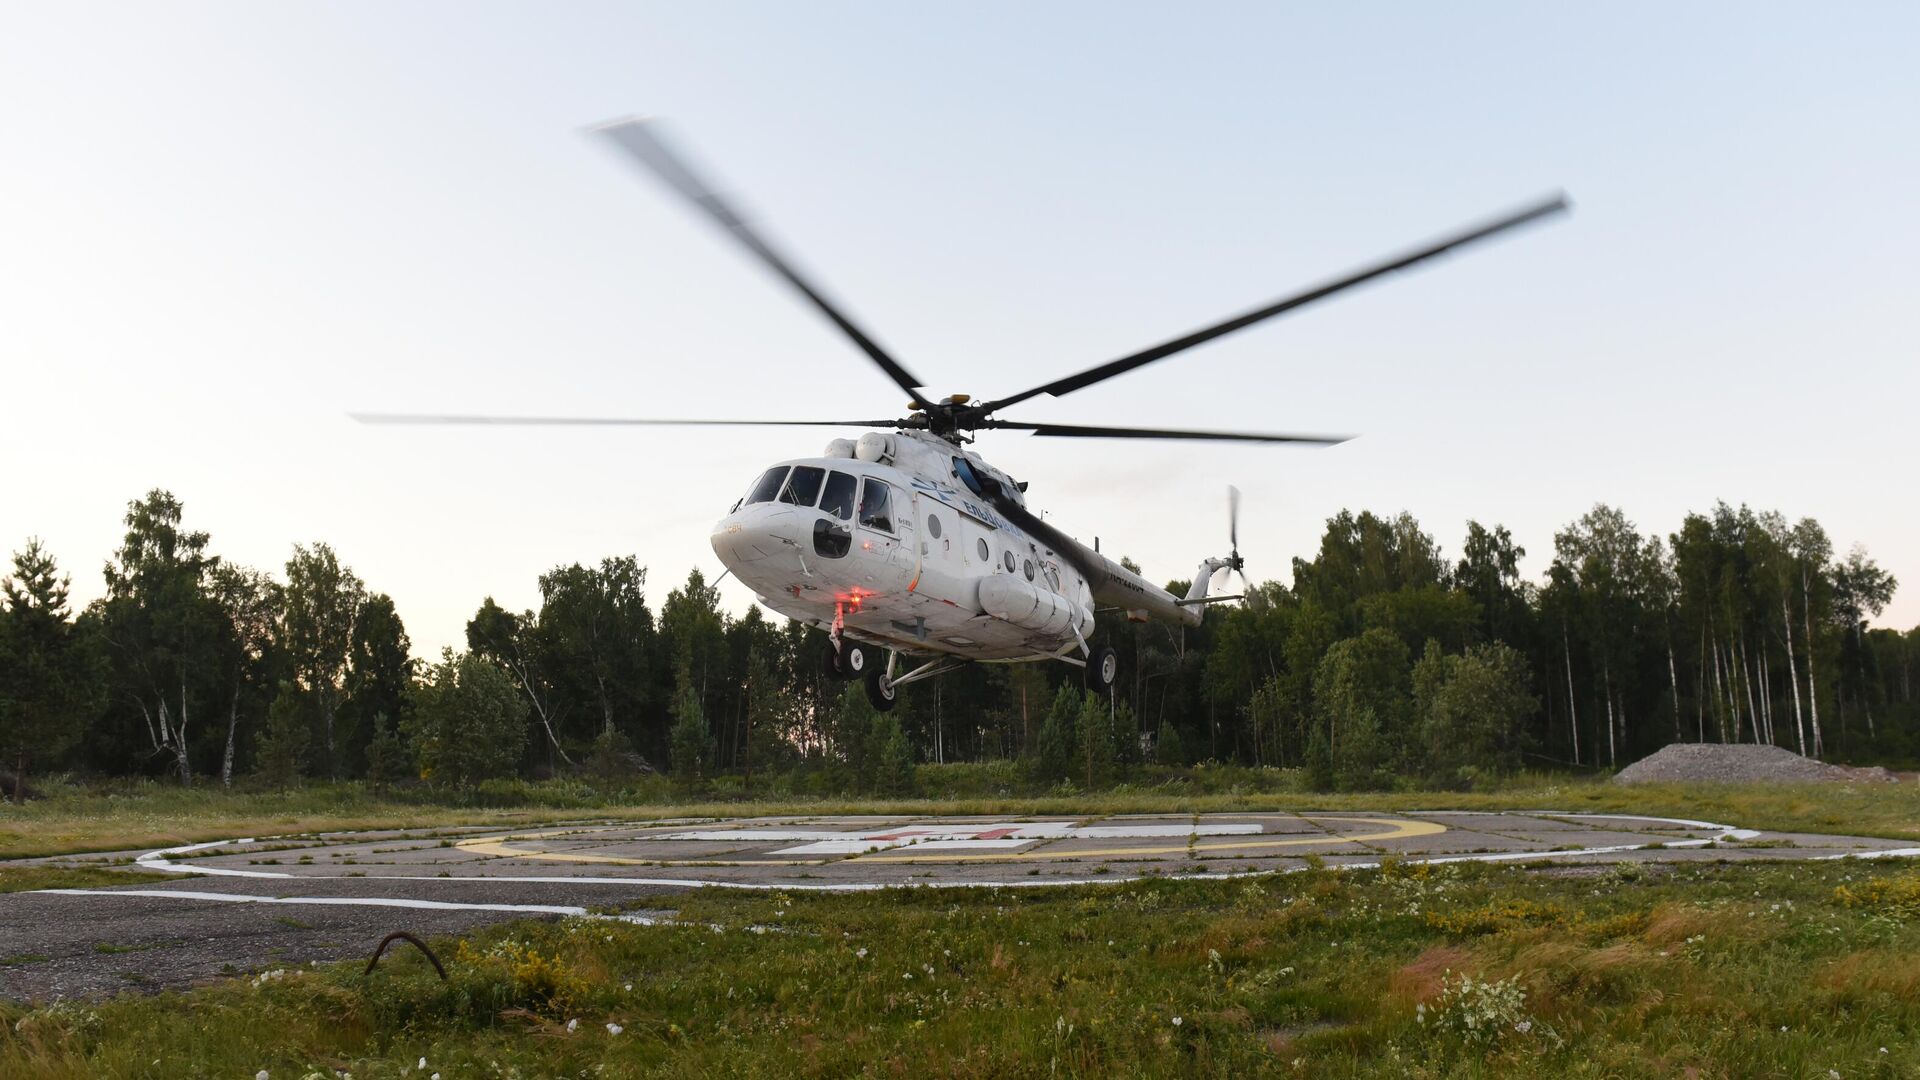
x=849 y=661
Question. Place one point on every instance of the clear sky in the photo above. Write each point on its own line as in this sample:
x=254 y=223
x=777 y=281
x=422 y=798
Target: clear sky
x=222 y=227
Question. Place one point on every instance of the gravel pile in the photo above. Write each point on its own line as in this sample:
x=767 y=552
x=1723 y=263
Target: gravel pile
x=1722 y=763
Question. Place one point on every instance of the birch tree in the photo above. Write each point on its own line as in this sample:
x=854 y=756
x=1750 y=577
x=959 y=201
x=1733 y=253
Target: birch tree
x=380 y=672
x=322 y=599
x=1780 y=558
x=1607 y=561
x=514 y=642
x=249 y=600
x=1861 y=591
x=1811 y=550
x=598 y=632
x=162 y=631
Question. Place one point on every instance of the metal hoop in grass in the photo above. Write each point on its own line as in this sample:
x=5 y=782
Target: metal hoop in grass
x=402 y=935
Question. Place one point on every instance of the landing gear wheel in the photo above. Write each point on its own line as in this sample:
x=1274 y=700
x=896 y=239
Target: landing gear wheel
x=848 y=663
x=1103 y=668
x=880 y=690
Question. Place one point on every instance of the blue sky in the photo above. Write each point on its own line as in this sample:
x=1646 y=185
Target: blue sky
x=228 y=225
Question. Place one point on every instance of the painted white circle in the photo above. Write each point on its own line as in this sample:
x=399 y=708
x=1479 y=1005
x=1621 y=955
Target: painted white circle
x=865 y=853
x=856 y=658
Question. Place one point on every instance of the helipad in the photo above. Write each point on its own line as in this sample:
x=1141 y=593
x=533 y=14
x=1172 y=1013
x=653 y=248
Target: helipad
x=203 y=909
x=869 y=852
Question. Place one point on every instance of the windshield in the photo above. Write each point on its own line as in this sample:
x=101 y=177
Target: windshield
x=765 y=488
x=838 y=499
x=803 y=486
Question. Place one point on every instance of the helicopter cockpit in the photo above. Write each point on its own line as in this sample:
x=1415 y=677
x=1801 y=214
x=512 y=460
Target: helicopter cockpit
x=842 y=499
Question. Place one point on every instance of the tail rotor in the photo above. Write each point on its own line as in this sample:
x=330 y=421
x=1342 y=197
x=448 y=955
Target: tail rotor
x=1236 y=564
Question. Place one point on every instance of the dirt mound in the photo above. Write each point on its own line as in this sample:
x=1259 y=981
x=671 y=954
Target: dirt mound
x=1721 y=763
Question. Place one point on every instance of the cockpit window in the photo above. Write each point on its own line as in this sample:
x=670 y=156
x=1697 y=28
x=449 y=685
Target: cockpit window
x=765 y=488
x=803 y=486
x=876 y=505
x=831 y=540
x=963 y=469
x=838 y=498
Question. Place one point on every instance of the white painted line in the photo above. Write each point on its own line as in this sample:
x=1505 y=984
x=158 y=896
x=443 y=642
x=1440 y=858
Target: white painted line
x=1882 y=853
x=157 y=860
x=356 y=901
x=856 y=847
x=1230 y=828
x=960 y=836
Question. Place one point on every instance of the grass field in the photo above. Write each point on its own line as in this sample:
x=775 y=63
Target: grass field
x=125 y=815
x=1467 y=970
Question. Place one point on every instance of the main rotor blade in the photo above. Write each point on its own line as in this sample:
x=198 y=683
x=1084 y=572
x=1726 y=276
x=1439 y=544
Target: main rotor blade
x=610 y=421
x=641 y=140
x=1077 y=431
x=1556 y=204
x=1233 y=518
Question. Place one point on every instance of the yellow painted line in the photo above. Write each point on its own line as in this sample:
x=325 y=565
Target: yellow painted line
x=1401 y=829
x=496 y=846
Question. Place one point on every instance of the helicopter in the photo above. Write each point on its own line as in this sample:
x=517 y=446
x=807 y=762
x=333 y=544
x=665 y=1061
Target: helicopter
x=905 y=541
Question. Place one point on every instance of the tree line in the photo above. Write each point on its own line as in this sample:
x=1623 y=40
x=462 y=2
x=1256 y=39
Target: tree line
x=1382 y=663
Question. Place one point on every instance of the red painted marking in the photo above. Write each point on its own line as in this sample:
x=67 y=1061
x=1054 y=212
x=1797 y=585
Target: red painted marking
x=997 y=834
x=896 y=835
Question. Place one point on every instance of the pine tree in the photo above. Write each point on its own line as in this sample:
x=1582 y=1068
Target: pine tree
x=44 y=685
x=388 y=755
x=1055 y=759
x=1166 y=746
x=691 y=742
x=1097 y=759
x=280 y=754
x=892 y=756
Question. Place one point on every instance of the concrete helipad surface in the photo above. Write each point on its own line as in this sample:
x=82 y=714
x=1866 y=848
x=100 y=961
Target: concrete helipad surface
x=245 y=904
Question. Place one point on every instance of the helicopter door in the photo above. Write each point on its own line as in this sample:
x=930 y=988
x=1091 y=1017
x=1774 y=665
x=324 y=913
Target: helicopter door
x=886 y=529
x=943 y=549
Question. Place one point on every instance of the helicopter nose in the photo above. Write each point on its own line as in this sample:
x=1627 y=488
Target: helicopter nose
x=754 y=534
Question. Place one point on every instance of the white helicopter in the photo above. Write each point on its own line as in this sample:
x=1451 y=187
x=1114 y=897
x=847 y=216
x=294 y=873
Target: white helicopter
x=906 y=541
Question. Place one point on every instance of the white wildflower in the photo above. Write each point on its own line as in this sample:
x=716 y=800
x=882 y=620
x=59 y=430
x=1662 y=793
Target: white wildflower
x=422 y=1066
x=261 y=1075
x=1523 y=1026
x=629 y=988
x=573 y=1026
x=861 y=952
x=1176 y=1021
x=614 y=1029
